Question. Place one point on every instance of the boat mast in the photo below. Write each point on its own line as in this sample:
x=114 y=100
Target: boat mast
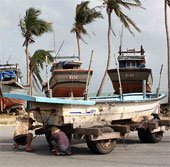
x=56 y=55
x=48 y=86
x=88 y=77
x=121 y=38
x=158 y=88
x=118 y=73
x=117 y=65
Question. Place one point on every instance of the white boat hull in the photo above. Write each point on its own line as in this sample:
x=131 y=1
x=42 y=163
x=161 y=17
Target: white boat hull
x=94 y=112
x=99 y=114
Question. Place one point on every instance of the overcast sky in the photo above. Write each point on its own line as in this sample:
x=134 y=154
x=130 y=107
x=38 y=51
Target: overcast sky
x=61 y=14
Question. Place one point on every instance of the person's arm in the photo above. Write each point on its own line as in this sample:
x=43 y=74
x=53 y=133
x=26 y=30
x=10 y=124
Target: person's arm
x=33 y=127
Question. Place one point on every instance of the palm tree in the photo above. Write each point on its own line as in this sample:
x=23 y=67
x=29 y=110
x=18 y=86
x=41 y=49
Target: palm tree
x=36 y=63
x=83 y=16
x=167 y=3
x=32 y=26
x=115 y=6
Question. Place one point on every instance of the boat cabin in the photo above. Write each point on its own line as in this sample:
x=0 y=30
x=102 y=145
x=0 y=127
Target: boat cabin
x=131 y=58
x=66 y=65
x=9 y=72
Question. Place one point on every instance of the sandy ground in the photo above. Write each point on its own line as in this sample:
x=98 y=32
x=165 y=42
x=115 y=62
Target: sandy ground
x=7 y=120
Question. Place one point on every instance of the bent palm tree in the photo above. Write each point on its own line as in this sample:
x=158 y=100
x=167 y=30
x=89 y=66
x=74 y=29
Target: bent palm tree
x=115 y=6
x=36 y=63
x=32 y=26
x=167 y=3
x=83 y=16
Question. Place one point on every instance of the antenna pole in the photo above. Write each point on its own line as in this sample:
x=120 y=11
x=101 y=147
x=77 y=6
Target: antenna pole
x=121 y=37
x=59 y=49
x=54 y=42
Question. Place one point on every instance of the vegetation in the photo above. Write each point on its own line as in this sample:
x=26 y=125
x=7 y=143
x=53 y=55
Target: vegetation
x=31 y=26
x=116 y=7
x=83 y=16
x=36 y=63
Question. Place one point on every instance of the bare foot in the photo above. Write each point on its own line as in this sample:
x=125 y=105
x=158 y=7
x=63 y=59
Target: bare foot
x=28 y=149
x=15 y=146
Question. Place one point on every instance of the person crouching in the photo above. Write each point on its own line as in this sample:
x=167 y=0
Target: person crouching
x=60 y=142
x=22 y=136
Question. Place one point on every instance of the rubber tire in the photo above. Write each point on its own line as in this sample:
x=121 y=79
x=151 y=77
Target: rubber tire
x=91 y=145
x=102 y=146
x=142 y=135
x=146 y=136
x=155 y=137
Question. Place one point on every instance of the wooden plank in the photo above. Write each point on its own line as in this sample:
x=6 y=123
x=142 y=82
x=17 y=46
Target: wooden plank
x=107 y=136
x=121 y=128
x=88 y=131
x=153 y=125
x=164 y=123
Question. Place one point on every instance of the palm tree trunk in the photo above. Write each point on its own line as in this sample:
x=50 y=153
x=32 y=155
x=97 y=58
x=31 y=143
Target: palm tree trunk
x=109 y=56
x=27 y=63
x=78 y=46
x=30 y=83
x=168 y=48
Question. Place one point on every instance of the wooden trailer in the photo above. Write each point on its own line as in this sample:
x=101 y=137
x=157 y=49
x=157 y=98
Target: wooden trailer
x=100 y=120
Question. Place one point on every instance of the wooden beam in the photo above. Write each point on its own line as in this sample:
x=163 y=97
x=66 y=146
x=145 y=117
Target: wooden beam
x=121 y=128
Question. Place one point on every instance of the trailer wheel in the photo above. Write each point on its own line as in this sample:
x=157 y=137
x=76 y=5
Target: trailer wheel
x=146 y=136
x=142 y=135
x=155 y=137
x=91 y=145
x=105 y=146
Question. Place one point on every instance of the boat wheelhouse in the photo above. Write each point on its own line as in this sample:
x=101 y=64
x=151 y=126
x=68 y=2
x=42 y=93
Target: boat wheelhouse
x=132 y=72
x=10 y=77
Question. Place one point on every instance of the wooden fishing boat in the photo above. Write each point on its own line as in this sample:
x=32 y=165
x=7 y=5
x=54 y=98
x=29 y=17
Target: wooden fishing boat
x=8 y=102
x=95 y=111
x=10 y=81
x=99 y=120
x=68 y=79
x=10 y=78
x=132 y=72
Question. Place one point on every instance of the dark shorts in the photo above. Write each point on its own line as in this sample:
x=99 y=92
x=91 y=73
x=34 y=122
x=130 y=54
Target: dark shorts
x=20 y=139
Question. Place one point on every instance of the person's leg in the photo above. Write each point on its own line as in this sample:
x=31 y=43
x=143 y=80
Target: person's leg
x=55 y=149
x=19 y=140
x=68 y=152
x=28 y=142
x=65 y=150
x=15 y=146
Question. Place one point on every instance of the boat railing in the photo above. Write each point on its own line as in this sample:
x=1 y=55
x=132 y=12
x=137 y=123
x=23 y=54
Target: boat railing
x=141 y=51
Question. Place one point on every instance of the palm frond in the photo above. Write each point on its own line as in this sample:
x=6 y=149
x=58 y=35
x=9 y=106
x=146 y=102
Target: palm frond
x=36 y=82
x=115 y=5
x=37 y=62
x=36 y=72
x=84 y=15
x=31 y=25
x=126 y=21
x=168 y=2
